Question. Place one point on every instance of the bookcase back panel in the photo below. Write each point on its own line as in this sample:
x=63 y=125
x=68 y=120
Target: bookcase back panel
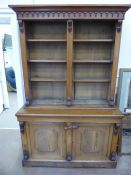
x=46 y=30
x=48 y=90
x=93 y=30
x=48 y=71
x=91 y=91
x=92 y=71
x=93 y=51
x=44 y=51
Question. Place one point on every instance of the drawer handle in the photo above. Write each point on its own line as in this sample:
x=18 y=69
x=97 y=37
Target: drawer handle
x=72 y=126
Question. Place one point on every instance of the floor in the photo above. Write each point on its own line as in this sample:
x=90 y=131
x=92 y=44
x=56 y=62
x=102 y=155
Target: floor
x=7 y=117
x=11 y=152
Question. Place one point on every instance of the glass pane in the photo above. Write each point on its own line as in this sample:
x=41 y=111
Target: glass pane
x=126 y=137
x=129 y=96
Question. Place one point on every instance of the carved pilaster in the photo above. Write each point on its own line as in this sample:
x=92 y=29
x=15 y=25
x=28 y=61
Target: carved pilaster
x=22 y=127
x=119 y=25
x=21 y=25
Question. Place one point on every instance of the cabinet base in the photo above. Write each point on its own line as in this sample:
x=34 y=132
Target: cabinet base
x=73 y=164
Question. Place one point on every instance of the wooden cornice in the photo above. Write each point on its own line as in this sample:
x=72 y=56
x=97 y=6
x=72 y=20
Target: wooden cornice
x=27 y=12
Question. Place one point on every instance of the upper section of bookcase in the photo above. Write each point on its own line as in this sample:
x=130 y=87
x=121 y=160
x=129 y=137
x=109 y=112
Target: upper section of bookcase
x=91 y=11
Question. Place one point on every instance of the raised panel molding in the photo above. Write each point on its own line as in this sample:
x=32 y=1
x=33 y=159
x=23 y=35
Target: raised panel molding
x=92 y=140
x=46 y=140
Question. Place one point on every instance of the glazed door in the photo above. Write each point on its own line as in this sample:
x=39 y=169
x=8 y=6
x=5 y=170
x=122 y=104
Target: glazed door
x=47 y=141
x=92 y=141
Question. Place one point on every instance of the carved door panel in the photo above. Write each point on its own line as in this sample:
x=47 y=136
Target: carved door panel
x=92 y=141
x=47 y=141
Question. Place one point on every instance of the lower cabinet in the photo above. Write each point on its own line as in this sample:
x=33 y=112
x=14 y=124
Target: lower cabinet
x=68 y=142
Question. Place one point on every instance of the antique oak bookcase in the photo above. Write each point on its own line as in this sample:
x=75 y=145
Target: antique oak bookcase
x=70 y=56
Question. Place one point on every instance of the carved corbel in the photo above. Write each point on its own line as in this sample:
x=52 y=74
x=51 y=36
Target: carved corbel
x=119 y=25
x=22 y=127
x=113 y=156
x=25 y=155
x=69 y=157
x=111 y=101
x=21 y=25
x=69 y=101
x=116 y=128
x=70 y=26
x=27 y=103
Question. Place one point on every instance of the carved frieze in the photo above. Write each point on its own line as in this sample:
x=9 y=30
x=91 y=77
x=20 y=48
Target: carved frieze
x=70 y=15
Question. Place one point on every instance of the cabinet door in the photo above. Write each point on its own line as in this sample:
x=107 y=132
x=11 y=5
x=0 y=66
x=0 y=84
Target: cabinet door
x=47 y=141
x=92 y=141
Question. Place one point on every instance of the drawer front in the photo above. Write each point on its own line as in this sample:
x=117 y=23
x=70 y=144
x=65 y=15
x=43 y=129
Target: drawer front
x=47 y=140
x=92 y=141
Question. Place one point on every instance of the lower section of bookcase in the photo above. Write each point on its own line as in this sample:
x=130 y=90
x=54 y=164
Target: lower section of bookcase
x=74 y=140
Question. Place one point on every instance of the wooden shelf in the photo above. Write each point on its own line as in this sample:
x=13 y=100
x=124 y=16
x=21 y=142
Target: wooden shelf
x=46 y=40
x=93 y=61
x=92 y=81
x=46 y=80
x=46 y=61
x=93 y=40
x=91 y=102
x=75 y=40
x=64 y=61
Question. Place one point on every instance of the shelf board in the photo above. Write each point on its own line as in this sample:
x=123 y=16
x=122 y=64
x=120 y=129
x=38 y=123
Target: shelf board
x=92 y=81
x=46 y=80
x=46 y=40
x=93 y=61
x=46 y=61
x=93 y=40
x=64 y=61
